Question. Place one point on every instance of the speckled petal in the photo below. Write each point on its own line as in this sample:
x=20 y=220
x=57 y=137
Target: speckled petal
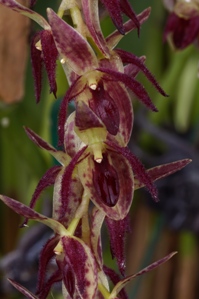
x=72 y=142
x=97 y=219
x=82 y=263
x=61 y=157
x=29 y=213
x=71 y=45
x=75 y=89
x=67 y=191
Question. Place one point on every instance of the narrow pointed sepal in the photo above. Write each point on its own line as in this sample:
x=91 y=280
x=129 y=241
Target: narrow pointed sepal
x=128 y=10
x=114 y=38
x=47 y=180
x=46 y=256
x=62 y=157
x=23 y=290
x=132 y=84
x=162 y=171
x=50 y=55
x=29 y=213
x=122 y=283
x=117 y=233
x=115 y=13
x=37 y=64
x=16 y=6
x=131 y=58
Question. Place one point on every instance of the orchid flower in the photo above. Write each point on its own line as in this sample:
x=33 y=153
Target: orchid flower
x=182 y=27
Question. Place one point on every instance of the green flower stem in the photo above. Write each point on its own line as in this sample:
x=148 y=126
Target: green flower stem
x=81 y=211
x=187 y=243
x=103 y=290
x=169 y=84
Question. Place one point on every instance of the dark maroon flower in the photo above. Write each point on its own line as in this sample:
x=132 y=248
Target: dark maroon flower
x=181 y=31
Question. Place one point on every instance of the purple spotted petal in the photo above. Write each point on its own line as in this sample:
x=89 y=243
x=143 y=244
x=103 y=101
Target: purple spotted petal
x=23 y=290
x=71 y=45
x=21 y=209
x=46 y=255
x=120 y=285
x=117 y=233
x=114 y=38
x=131 y=58
x=132 y=84
x=97 y=219
x=16 y=6
x=62 y=157
x=81 y=261
x=67 y=191
x=37 y=64
x=75 y=89
x=138 y=169
x=162 y=171
x=50 y=55
x=91 y=15
x=72 y=143
x=27 y=212
x=38 y=140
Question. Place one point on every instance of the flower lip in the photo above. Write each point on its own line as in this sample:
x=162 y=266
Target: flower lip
x=106 y=182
